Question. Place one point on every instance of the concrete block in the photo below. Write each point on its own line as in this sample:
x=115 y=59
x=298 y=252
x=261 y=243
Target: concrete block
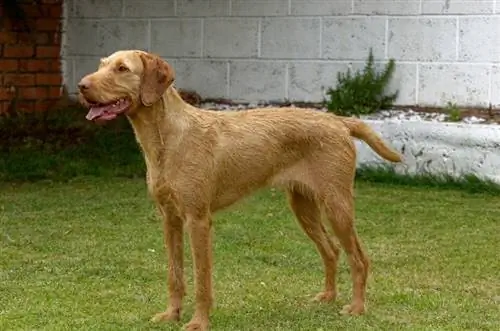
x=202 y=8
x=84 y=66
x=478 y=39
x=96 y=8
x=259 y=7
x=495 y=86
x=464 y=84
x=321 y=7
x=257 y=80
x=208 y=78
x=351 y=38
x=309 y=81
x=68 y=75
x=231 y=37
x=290 y=38
x=457 y=6
x=100 y=38
x=386 y=7
x=176 y=37
x=422 y=39
x=149 y=8
x=404 y=80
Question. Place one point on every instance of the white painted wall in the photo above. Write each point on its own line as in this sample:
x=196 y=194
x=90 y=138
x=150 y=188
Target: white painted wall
x=453 y=149
x=251 y=50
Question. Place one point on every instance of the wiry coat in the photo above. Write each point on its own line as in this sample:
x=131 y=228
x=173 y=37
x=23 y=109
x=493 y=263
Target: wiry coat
x=200 y=161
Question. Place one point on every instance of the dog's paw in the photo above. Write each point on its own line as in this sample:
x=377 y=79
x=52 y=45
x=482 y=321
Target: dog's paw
x=170 y=315
x=196 y=325
x=353 y=309
x=326 y=296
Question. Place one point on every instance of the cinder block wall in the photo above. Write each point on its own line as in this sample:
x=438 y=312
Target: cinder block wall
x=251 y=50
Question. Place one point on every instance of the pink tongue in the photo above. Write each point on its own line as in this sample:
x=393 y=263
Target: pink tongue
x=96 y=112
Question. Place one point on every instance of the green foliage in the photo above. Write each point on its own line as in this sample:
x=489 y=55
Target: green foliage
x=453 y=112
x=362 y=92
x=61 y=144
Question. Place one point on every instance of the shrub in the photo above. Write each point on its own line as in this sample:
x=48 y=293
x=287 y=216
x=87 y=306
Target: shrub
x=362 y=92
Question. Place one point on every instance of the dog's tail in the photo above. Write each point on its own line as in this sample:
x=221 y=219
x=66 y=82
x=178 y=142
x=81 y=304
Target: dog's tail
x=363 y=131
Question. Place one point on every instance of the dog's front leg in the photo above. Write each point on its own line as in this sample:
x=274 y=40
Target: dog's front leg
x=173 y=231
x=201 y=246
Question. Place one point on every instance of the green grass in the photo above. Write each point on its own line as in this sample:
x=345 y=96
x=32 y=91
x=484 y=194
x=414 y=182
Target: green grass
x=88 y=255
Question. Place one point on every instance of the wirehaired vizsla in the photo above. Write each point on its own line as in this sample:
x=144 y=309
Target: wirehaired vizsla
x=201 y=161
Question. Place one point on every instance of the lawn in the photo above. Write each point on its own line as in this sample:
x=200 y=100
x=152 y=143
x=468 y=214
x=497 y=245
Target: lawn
x=88 y=255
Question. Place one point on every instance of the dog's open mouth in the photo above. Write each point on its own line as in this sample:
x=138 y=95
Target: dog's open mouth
x=109 y=111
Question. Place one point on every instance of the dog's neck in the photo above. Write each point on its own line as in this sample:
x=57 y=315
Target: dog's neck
x=159 y=126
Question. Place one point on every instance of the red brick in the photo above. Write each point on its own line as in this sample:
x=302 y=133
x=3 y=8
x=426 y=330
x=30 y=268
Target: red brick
x=48 y=51
x=39 y=38
x=19 y=51
x=55 y=66
x=55 y=38
x=7 y=65
x=19 y=79
x=48 y=79
x=47 y=24
x=4 y=106
x=43 y=105
x=55 y=92
x=56 y=11
x=6 y=93
x=31 y=11
x=7 y=37
x=33 y=93
x=34 y=65
x=25 y=105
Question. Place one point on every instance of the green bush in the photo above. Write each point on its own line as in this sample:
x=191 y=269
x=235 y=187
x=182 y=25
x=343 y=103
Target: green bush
x=362 y=92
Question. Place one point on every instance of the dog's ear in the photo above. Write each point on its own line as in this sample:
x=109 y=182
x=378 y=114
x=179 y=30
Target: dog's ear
x=157 y=76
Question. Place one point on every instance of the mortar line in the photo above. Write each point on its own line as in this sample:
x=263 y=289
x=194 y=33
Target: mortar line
x=228 y=77
x=289 y=7
x=457 y=39
x=259 y=37
x=320 y=37
x=386 y=50
x=490 y=81
x=122 y=9
x=148 y=36
x=417 y=83
x=287 y=68
x=202 y=39
x=230 y=8
x=175 y=7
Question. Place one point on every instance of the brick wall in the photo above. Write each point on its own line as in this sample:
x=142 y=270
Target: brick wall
x=445 y=50
x=30 y=66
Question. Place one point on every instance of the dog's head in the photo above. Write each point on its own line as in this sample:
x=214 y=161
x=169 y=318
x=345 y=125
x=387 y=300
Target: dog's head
x=124 y=82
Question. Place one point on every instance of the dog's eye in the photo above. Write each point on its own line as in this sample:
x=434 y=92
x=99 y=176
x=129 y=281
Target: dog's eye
x=122 y=68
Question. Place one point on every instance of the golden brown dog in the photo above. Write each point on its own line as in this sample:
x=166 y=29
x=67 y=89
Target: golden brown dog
x=200 y=161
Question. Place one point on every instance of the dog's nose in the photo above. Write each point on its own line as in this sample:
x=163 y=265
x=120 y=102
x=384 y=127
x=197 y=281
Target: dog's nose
x=84 y=84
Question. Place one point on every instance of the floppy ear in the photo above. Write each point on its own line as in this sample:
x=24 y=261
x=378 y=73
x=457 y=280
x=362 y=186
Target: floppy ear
x=157 y=76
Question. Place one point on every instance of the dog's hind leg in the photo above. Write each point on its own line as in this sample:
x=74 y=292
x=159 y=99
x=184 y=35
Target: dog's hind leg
x=308 y=215
x=173 y=232
x=339 y=209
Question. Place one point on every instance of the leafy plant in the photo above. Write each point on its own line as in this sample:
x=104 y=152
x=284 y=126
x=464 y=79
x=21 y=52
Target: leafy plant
x=453 y=111
x=362 y=92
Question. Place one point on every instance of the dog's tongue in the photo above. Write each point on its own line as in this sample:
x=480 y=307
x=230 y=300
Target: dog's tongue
x=99 y=111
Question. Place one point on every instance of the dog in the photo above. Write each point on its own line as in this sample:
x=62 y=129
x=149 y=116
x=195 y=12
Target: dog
x=201 y=161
